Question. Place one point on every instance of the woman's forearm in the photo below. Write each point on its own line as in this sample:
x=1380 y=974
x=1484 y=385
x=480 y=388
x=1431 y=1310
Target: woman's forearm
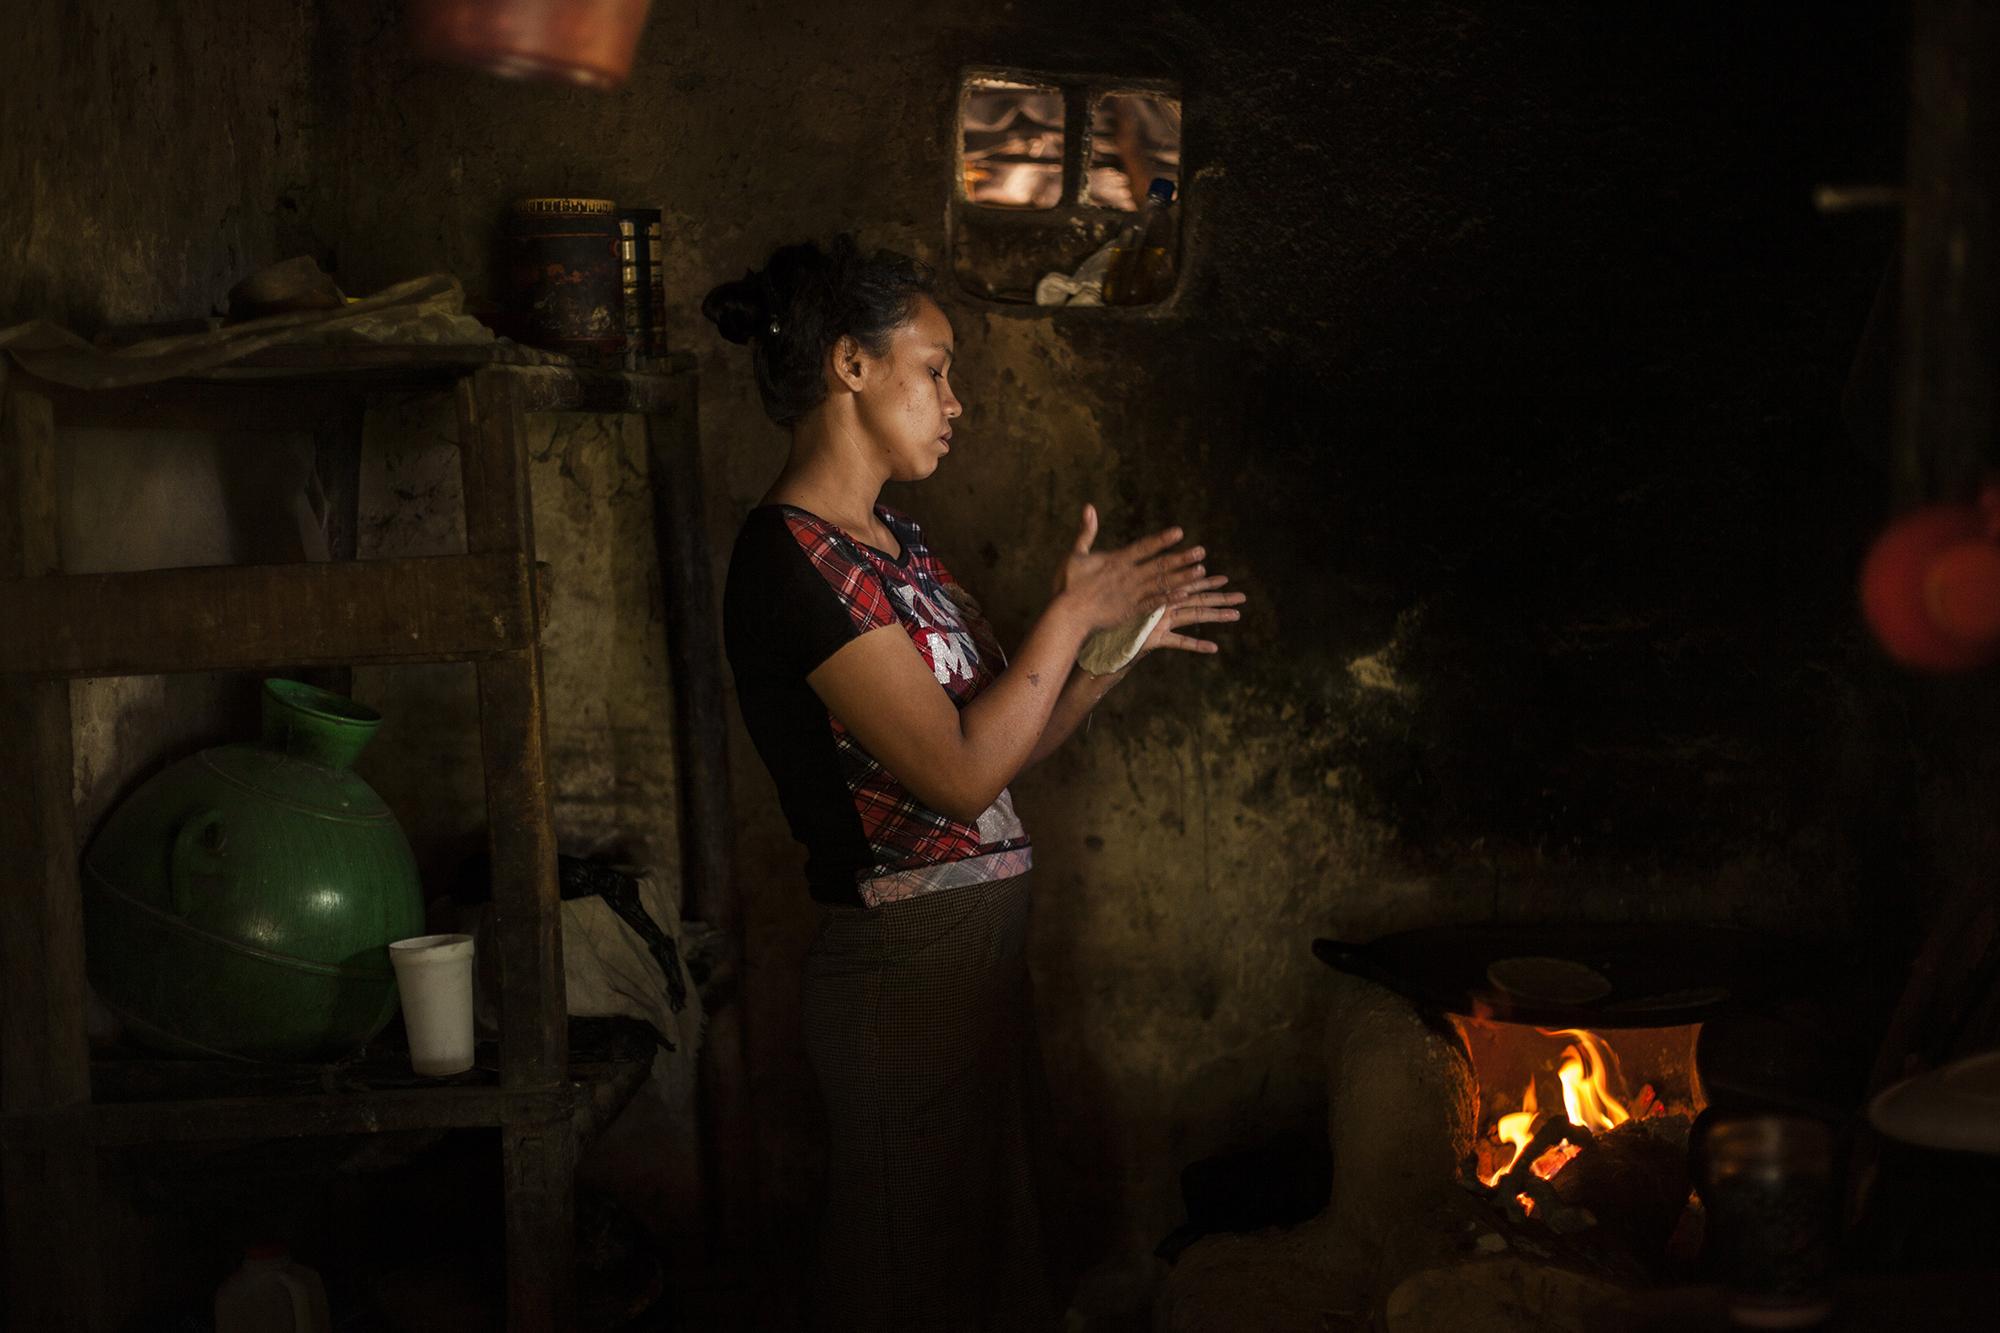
x=1081 y=693
x=1005 y=726
x=958 y=761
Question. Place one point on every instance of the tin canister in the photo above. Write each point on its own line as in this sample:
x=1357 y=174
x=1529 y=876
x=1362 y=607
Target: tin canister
x=561 y=275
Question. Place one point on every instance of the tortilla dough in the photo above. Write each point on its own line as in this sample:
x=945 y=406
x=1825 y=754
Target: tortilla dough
x=1548 y=980
x=1109 y=650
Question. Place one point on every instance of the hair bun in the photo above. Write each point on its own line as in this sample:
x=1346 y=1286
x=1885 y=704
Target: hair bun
x=803 y=301
x=740 y=310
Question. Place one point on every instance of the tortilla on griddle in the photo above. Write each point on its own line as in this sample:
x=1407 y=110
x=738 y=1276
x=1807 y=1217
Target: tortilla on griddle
x=1556 y=981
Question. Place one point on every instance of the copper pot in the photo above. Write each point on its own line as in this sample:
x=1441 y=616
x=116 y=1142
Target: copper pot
x=587 y=42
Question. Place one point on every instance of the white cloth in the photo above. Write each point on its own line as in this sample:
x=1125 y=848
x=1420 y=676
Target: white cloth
x=1086 y=285
x=608 y=970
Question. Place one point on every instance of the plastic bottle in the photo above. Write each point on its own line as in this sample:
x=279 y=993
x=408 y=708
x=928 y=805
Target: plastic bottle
x=1142 y=264
x=272 y=1293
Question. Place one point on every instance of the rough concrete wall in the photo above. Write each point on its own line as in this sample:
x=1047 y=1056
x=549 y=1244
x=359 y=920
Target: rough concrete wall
x=607 y=691
x=154 y=153
x=1505 y=382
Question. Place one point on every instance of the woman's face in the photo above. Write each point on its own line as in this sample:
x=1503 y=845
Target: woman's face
x=906 y=403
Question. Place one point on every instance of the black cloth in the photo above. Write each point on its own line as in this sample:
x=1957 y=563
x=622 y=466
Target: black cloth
x=780 y=620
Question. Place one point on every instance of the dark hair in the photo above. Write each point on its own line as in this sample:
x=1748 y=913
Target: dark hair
x=806 y=299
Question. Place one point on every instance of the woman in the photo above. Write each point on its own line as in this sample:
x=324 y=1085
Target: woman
x=892 y=723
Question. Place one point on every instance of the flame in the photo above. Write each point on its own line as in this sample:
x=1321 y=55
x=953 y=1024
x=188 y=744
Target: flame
x=1516 y=1127
x=1587 y=1098
x=1587 y=1101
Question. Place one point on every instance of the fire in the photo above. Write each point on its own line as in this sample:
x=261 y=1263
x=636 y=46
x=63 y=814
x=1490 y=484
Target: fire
x=1587 y=1100
x=1587 y=1097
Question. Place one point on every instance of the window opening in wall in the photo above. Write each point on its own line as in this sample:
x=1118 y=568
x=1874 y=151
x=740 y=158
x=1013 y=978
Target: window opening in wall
x=1012 y=144
x=1053 y=176
x=1134 y=138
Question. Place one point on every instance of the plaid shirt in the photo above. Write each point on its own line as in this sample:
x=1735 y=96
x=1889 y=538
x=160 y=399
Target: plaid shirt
x=910 y=848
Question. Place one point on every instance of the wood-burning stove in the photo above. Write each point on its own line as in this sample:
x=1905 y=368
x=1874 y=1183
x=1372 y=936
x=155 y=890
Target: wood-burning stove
x=1431 y=1037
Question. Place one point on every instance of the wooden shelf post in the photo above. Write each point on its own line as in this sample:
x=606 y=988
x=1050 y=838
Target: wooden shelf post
x=49 y=1174
x=540 y=1159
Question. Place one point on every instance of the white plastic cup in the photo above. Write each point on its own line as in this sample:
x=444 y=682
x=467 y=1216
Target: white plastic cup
x=434 y=978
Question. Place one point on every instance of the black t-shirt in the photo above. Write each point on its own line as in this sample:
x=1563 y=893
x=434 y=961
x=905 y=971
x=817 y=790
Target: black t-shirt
x=799 y=590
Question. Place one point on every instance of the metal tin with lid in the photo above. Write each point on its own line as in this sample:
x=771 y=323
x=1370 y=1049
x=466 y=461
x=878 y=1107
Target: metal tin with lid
x=560 y=275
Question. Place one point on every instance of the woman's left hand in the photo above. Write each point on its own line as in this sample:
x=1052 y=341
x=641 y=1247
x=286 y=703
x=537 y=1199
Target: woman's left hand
x=1197 y=604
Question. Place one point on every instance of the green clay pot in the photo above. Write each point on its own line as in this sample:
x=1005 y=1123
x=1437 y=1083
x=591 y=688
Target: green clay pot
x=241 y=902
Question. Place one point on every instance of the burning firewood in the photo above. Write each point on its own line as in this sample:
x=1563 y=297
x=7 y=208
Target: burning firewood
x=1550 y=1132
x=1525 y=1192
x=1635 y=1178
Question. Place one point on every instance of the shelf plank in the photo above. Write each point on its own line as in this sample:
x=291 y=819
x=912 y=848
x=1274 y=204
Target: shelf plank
x=542 y=387
x=128 y=1124
x=255 y=617
x=291 y=389
x=266 y=406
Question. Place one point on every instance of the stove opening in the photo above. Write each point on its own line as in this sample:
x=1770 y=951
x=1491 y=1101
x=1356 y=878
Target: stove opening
x=1549 y=1096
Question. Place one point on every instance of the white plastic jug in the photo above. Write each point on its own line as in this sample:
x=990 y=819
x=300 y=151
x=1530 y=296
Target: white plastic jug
x=272 y=1293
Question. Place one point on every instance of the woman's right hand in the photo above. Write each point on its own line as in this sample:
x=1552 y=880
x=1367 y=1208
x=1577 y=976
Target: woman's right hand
x=1108 y=588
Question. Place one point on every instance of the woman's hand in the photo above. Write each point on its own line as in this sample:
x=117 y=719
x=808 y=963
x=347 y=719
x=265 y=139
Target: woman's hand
x=1197 y=604
x=1108 y=588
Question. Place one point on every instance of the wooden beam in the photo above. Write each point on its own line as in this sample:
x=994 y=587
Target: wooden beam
x=44 y=1056
x=701 y=752
x=285 y=390
x=538 y=1164
x=493 y=462
x=694 y=656
x=438 y=361
x=270 y=406
x=527 y=908
x=1948 y=401
x=513 y=729
x=225 y=1118
x=253 y=617
x=49 y=1187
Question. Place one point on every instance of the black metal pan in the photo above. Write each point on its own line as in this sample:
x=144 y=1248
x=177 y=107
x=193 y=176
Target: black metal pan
x=1573 y=975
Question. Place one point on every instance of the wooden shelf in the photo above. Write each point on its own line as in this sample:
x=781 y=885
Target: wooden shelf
x=282 y=388
x=253 y=617
x=125 y=1124
x=139 y=1099
x=484 y=607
